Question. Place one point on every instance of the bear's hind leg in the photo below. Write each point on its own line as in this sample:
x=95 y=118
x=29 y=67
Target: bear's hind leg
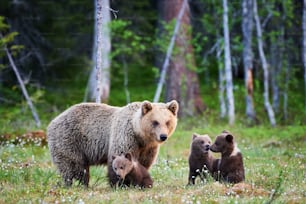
x=74 y=170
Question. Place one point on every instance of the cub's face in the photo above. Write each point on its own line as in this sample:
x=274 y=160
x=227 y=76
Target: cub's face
x=200 y=143
x=122 y=165
x=158 y=120
x=223 y=142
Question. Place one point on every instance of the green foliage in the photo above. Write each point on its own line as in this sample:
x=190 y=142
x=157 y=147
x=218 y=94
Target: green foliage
x=3 y=25
x=132 y=43
x=128 y=55
x=163 y=40
x=15 y=49
x=7 y=38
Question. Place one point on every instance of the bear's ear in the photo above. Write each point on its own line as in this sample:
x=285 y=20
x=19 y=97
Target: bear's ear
x=229 y=138
x=146 y=107
x=173 y=107
x=128 y=156
x=194 y=135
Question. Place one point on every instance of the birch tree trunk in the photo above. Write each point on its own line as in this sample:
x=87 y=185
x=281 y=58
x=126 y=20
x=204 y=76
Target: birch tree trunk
x=275 y=71
x=228 y=66
x=247 y=28
x=304 y=48
x=286 y=89
x=265 y=67
x=126 y=80
x=98 y=86
x=221 y=81
x=277 y=44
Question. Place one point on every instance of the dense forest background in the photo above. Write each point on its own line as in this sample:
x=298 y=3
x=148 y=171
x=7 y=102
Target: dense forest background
x=52 y=45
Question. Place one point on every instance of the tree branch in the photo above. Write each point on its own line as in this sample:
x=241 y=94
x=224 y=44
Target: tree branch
x=24 y=91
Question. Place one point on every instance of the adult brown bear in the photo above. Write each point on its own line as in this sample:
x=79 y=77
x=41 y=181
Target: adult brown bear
x=89 y=134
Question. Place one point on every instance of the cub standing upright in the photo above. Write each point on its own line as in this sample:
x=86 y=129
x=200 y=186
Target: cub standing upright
x=230 y=166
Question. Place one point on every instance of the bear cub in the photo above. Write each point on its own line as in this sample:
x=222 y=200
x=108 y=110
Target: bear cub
x=230 y=167
x=131 y=172
x=201 y=161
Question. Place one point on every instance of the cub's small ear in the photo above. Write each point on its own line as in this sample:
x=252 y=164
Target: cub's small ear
x=128 y=156
x=229 y=138
x=194 y=135
x=146 y=107
x=173 y=107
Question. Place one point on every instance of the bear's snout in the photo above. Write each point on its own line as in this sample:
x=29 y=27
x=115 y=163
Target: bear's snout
x=212 y=148
x=163 y=137
x=207 y=147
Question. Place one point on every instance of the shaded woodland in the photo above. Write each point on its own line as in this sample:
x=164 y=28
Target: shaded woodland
x=230 y=59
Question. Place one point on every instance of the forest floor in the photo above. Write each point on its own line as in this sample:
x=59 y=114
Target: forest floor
x=274 y=160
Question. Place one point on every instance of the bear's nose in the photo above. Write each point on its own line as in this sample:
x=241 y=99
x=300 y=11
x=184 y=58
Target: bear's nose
x=207 y=147
x=163 y=137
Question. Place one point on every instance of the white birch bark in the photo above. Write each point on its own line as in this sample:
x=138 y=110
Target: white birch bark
x=221 y=81
x=24 y=90
x=103 y=46
x=228 y=66
x=126 y=80
x=265 y=68
x=285 y=93
x=274 y=72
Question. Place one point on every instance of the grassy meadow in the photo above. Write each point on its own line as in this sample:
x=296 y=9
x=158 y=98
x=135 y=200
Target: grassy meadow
x=274 y=160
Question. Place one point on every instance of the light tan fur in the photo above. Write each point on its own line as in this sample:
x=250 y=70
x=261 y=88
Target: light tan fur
x=89 y=133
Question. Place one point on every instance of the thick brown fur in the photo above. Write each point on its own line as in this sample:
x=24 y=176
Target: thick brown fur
x=89 y=134
x=131 y=172
x=230 y=166
x=201 y=161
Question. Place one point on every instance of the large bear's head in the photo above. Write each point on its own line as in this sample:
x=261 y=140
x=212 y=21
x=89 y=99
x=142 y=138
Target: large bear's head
x=158 y=120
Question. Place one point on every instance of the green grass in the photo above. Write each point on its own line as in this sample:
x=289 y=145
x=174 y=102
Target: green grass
x=274 y=160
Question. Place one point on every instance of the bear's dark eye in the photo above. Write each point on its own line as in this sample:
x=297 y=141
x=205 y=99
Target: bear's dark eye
x=155 y=123
x=202 y=142
x=121 y=167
